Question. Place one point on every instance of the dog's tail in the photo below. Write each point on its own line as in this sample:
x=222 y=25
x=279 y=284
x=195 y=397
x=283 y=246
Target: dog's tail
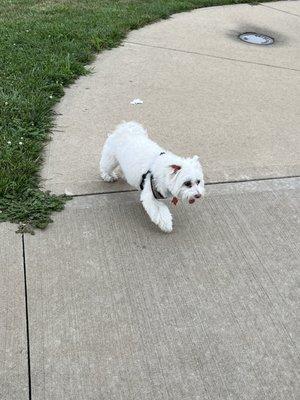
x=132 y=127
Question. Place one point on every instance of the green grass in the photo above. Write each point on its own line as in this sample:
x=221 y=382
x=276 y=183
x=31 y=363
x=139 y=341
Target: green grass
x=44 y=46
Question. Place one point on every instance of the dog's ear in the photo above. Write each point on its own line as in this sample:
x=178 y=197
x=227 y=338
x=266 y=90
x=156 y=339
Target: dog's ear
x=175 y=168
x=195 y=158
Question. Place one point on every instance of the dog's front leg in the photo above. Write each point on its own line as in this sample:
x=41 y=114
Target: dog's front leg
x=157 y=211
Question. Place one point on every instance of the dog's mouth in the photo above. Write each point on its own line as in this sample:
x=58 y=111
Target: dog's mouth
x=193 y=199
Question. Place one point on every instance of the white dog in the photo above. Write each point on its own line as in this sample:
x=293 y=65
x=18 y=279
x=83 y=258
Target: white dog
x=158 y=173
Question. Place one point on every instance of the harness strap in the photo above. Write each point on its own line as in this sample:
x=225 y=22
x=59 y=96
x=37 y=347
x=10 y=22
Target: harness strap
x=155 y=192
x=143 y=179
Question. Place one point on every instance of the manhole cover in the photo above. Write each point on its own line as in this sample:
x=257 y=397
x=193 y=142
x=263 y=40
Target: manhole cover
x=256 y=38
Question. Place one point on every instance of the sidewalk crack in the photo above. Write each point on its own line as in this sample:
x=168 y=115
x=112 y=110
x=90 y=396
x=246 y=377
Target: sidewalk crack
x=279 y=10
x=211 y=56
x=271 y=178
x=27 y=317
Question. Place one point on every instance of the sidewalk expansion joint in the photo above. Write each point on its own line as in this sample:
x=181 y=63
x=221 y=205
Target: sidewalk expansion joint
x=27 y=318
x=212 y=56
x=276 y=178
x=279 y=10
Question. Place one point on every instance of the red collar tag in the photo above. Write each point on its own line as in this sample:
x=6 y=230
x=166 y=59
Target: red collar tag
x=174 y=201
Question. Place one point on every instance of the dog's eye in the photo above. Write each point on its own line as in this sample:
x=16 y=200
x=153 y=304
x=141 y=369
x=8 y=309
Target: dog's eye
x=188 y=184
x=198 y=181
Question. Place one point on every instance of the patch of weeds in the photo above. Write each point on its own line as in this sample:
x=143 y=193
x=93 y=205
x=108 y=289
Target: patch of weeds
x=31 y=211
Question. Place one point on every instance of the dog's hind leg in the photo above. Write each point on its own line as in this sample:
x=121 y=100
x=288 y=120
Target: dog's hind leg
x=157 y=211
x=108 y=162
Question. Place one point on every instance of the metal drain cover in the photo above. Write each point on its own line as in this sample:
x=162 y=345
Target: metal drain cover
x=256 y=38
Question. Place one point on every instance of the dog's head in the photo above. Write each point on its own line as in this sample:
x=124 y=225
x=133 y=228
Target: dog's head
x=186 y=180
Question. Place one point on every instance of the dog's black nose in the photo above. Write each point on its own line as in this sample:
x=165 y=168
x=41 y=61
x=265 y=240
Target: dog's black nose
x=197 y=196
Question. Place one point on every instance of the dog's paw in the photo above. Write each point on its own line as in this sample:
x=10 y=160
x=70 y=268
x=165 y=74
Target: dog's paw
x=120 y=174
x=109 y=177
x=164 y=220
x=166 y=226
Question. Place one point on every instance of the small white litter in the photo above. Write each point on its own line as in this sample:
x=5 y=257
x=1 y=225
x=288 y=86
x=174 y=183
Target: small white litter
x=136 y=101
x=68 y=192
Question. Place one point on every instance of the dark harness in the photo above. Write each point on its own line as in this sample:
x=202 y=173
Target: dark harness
x=155 y=192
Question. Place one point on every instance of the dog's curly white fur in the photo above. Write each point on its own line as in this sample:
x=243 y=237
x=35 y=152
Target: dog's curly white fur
x=172 y=176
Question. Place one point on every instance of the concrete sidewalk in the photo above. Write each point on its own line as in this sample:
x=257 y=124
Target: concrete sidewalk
x=204 y=91
x=102 y=305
